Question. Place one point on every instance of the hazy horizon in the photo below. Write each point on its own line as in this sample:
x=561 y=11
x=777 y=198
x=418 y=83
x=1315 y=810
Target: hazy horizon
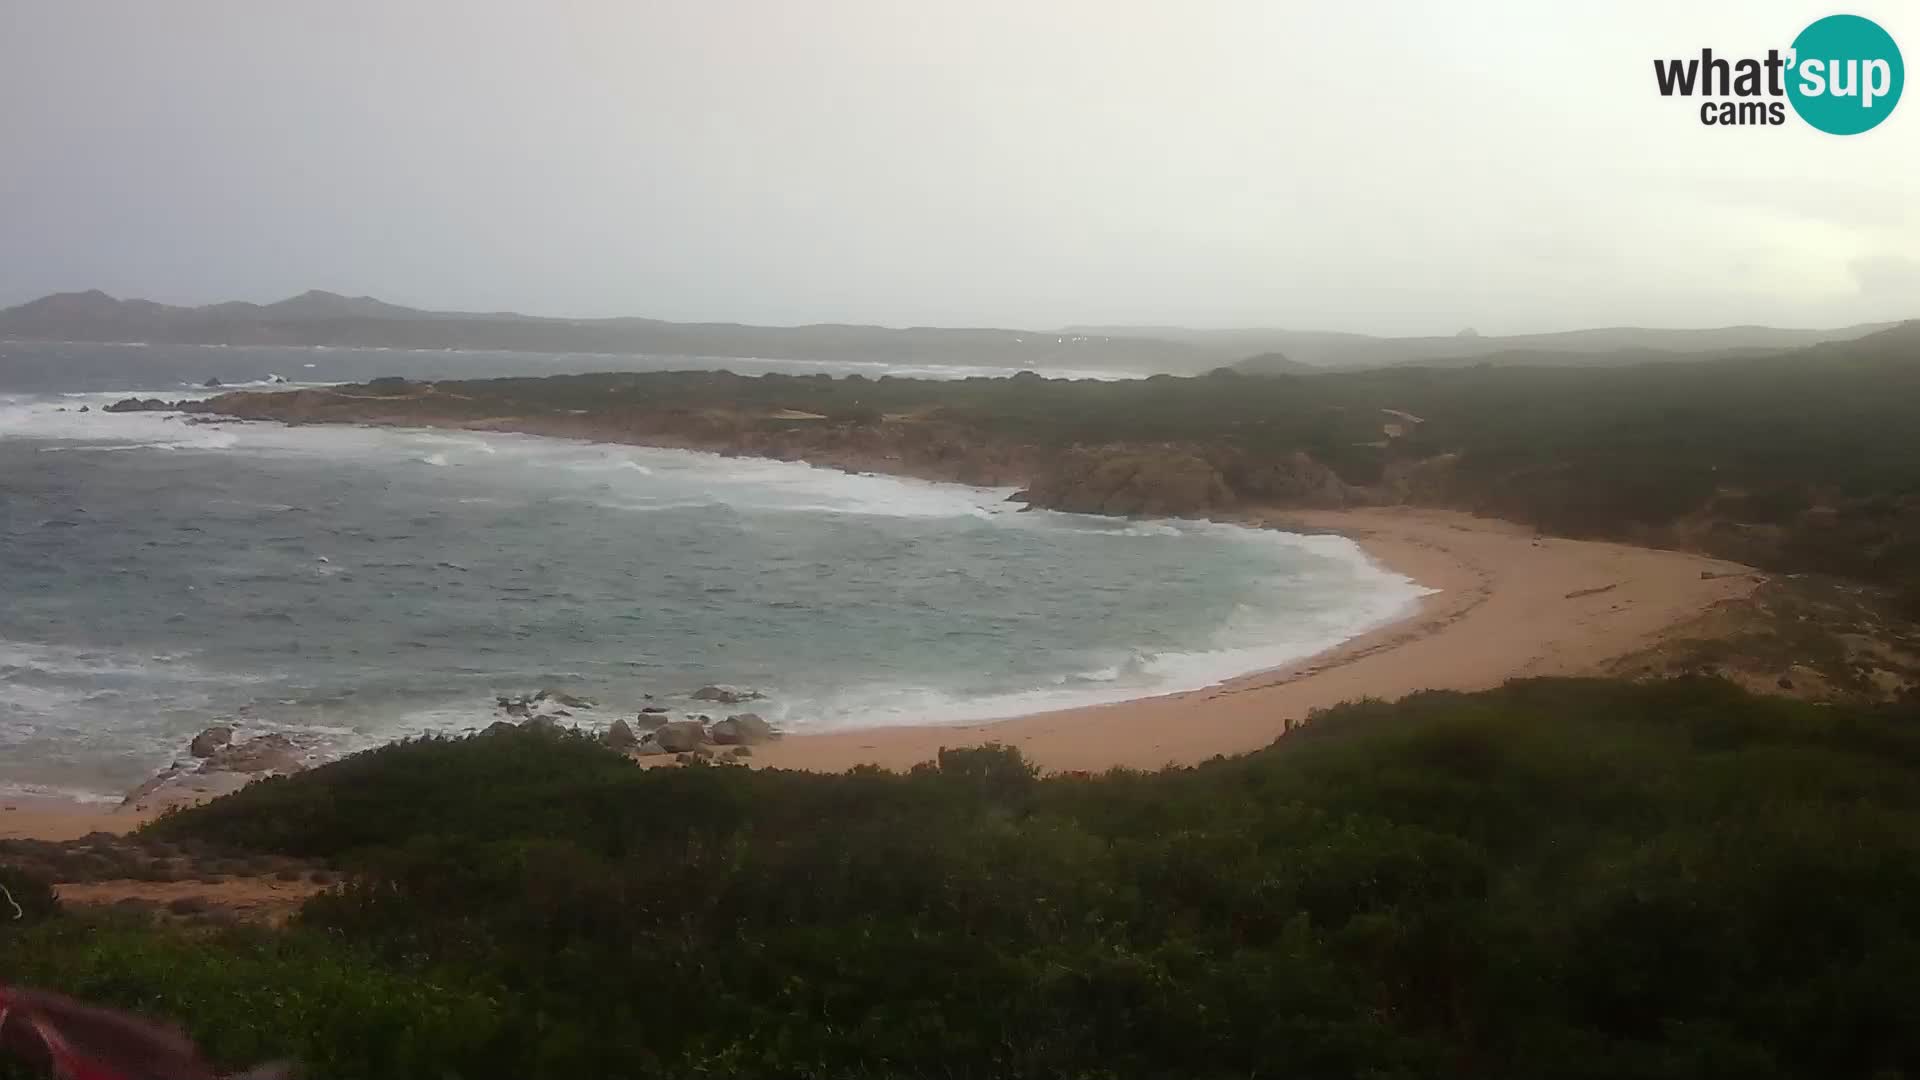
x=1143 y=329
x=1392 y=170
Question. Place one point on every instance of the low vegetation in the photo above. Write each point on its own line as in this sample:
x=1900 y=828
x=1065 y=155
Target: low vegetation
x=1561 y=878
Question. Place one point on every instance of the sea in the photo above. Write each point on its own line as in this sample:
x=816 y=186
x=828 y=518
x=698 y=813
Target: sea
x=350 y=586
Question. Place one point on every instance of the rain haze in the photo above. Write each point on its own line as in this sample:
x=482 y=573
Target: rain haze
x=1392 y=169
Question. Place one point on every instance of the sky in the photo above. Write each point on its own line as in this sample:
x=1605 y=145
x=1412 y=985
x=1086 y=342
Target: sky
x=1380 y=167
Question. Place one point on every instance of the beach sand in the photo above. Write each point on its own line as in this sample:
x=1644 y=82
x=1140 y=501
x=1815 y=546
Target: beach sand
x=1507 y=604
x=23 y=818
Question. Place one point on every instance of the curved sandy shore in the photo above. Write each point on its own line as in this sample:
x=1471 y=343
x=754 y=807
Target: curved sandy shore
x=1508 y=605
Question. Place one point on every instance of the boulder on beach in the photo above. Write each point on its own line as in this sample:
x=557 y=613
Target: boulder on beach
x=742 y=730
x=655 y=710
x=543 y=722
x=209 y=742
x=500 y=727
x=725 y=695
x=619 y=736
x=681 y=736
x=650 y=721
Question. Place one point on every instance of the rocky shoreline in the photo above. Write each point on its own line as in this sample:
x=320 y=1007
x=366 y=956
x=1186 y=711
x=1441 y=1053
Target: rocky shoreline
x=1154 y=479
x=219 y=759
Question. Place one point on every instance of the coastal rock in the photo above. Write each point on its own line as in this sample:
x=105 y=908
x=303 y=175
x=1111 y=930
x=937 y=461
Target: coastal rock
x=726 y=695
x=150 y=787
x=564 y=699
x=274 y=753
x=743 y=730
x=209 y=742
x=137 y=405
x=500 y=727
x=655 y=710
x=619 y=736
x=1295 y=479
x=680 y=736
x=1153 y=481
x=543 y=722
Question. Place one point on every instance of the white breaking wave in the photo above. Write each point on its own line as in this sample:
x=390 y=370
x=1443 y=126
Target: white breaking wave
x=1293 y=617
x=1357 y=597
x=633 y=475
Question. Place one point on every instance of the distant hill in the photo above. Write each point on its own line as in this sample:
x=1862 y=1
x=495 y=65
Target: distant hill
x=1606 y=346
x=323 y=318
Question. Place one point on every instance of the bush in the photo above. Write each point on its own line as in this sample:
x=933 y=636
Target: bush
x=28 y=899
x=1561 y=878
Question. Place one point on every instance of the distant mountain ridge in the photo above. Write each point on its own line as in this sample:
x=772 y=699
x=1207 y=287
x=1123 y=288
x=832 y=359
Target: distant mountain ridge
x=317 y=317
x=1601 y=346
x=324 y=318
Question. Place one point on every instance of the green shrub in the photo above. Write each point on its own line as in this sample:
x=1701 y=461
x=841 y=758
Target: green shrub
x=1561 y=878
x=27 y=899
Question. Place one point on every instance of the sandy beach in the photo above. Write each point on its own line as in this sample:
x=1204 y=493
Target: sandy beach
x=1507 y=604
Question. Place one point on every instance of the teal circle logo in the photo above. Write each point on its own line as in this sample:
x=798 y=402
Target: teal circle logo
x=1846 y=75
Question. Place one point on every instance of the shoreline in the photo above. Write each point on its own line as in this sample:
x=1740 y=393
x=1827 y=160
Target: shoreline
x=1506 y=604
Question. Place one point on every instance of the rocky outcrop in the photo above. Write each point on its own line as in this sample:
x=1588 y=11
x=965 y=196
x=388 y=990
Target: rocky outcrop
x=619 y=736
x=745 y=729
x=564 y=699
x=1216 y=475
x=681 y=736
x=1294 y=479
x=726 y=695
x=139 y=405
x=209 y=742
x=1150 y=481
x=274 y=753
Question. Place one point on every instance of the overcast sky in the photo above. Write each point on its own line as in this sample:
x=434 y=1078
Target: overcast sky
x=1387 y=168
